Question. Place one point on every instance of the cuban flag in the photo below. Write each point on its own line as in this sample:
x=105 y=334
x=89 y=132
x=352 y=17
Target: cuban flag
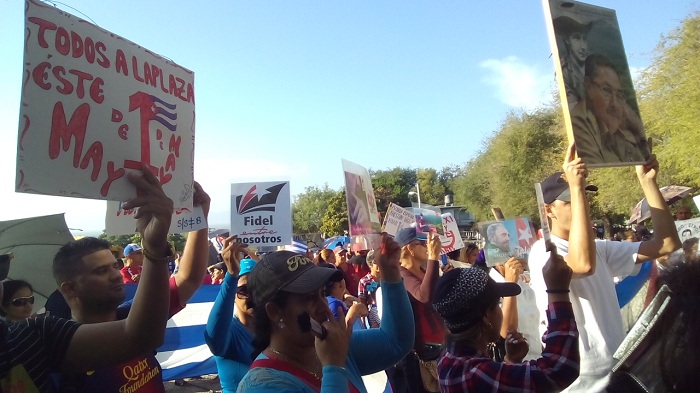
x=184 y=353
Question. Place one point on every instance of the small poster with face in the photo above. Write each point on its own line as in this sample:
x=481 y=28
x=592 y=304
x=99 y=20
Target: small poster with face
x=506 y=239
x=363 y=216
x=599 y=101
x=428 y=221
x=689 y=233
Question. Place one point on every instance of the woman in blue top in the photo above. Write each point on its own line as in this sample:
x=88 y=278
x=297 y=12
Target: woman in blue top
x=231 y=339
x=286 y=290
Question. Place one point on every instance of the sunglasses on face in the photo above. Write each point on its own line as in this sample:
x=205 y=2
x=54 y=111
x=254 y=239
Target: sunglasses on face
x=242 y=291
x=22 y=301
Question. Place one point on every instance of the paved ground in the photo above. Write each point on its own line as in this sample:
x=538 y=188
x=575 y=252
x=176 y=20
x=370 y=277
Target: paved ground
x=203 y=384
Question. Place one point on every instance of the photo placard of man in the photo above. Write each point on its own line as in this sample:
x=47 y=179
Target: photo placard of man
x=606 y=130
x=574 y=35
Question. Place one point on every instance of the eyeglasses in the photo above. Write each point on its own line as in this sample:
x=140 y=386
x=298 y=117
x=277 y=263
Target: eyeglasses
x=242 y=292
x=22 y=301
x=609 y=92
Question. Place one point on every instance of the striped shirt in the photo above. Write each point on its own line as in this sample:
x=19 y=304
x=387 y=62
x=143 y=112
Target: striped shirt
x=464 y=369
x=31 y=349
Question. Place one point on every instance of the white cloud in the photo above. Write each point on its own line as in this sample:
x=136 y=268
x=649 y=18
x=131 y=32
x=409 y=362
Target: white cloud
x=517 y=84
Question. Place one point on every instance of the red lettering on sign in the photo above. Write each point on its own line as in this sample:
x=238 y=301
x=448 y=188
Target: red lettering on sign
x=62 y=132
x=103 y=60
x=117 y=115
x=94 y=153
x=174 y=146
x=122 y=131
x=135 y=68
x=43 y=26
x=144 y=103
x=40 y=75
x=190 y=93
x=66 y=87
x=96 y=90
x=112 y=175
x=81 y=77
x=62 y=41
x=121 y=63
x=77 y=44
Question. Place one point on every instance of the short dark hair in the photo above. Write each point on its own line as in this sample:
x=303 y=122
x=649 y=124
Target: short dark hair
x=12 y=286
x=595 y=61
x=68 y=262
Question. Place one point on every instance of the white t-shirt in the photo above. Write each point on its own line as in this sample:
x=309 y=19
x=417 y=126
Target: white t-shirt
x=528 y=317
x=594 y=303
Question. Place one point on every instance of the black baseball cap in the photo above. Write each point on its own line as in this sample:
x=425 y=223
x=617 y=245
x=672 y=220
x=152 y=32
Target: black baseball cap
x=463 y=295
x=556 y=187
x=286 y=271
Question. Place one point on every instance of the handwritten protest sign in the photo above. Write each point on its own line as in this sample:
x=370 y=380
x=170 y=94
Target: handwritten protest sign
x=396 y=219
x=506 y=239
x=428 y=221
x=696 y=199
x=363 y=216
x=119 y=221
x=451 y=240
x=95 y=106
x=261 y=213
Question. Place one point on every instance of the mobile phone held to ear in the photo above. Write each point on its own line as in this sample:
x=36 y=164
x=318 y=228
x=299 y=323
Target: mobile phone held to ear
x=306 y=323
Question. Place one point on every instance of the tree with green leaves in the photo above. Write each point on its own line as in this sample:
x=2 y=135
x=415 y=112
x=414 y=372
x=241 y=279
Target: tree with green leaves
x=670 y=103
x=393 y=186
x=335 y=218
x=309 y=207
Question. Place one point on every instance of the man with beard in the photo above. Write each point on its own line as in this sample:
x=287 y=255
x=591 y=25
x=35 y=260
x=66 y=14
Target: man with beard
x=88 y=276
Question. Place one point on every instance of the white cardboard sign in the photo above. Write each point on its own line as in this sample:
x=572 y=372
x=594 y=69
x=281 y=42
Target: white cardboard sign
x=94 y=107
x=451 y=240
x=119 y=221
x=397 y=218
x=261 y=213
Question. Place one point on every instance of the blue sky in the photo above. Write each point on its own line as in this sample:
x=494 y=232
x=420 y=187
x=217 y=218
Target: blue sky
x=284 y=89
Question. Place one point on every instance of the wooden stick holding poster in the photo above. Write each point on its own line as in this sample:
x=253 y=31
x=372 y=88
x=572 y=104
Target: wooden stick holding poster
x=544 y=222
x=363 y=216
x=94 y=106
x=600 y=106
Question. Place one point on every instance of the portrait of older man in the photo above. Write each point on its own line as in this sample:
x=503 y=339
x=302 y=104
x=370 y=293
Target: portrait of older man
x=606 y=130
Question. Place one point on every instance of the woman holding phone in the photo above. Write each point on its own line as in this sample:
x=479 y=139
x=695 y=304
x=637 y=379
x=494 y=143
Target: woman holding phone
x=300 y=347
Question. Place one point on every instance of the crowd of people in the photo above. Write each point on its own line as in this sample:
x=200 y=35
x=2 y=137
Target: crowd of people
x=303 y=320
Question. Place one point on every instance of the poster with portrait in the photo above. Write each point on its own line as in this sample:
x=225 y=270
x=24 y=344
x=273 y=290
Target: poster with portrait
x=506 y=239
x=599 y=102
x=261 y=213
x=96 y=106
x=689 y=233
x=119 y=221
x=428 y=221
x=363 y=216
